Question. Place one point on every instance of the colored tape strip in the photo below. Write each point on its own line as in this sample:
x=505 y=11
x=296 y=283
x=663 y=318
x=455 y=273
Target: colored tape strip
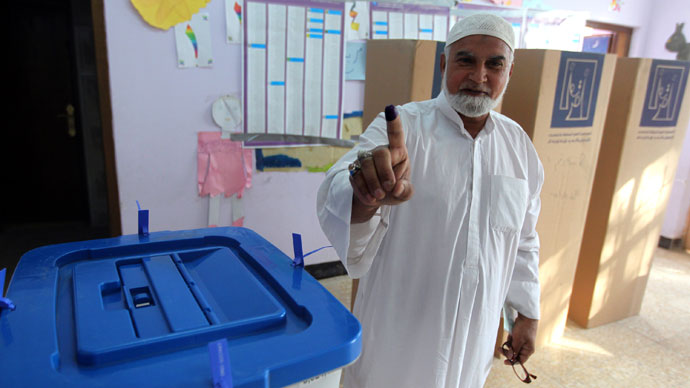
x=278 y=83
x=295 y=59
x=257 y=45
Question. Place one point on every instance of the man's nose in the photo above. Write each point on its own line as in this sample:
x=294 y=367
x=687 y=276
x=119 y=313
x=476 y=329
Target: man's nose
x=478 y=74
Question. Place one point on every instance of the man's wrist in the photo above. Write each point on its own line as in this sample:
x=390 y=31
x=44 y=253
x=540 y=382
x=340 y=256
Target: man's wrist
x=361 y=212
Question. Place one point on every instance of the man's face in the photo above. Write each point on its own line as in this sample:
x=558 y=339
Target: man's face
x=476 y=73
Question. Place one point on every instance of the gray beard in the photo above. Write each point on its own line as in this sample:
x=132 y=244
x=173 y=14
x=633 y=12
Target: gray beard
x=471 y=106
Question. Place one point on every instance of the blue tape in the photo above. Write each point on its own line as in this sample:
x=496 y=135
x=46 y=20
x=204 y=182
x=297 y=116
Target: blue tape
x=316 y=20
x=278 y=83
x=381 y=32
x=315 y=36
x=331 y=117
x=220 y=363
x=257 y=45
x=317 y=30
x=333 y=32
x=5 y=303
x=317 y=10
x=295 y=59
x=426 y=30
x=381 y=23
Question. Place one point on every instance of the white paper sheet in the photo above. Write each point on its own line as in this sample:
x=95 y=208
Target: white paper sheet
x=357 y=20
x=256 y=67
x=379 y=25
x=411 y=26
x=193 y=42
x=395 y=25
x=312 y=72
x=331 y=74
x=233 y=20
x=426 y=27
x=277 y=15
x=440 y=27
x=295 y=70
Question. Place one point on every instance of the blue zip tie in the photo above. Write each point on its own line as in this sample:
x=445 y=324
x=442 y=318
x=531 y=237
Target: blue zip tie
x=297 y=247
x=5 y=303
x=143 y=221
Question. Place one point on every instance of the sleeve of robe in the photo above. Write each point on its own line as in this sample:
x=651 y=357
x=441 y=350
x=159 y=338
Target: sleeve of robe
x=356 y=244
x=523 y=292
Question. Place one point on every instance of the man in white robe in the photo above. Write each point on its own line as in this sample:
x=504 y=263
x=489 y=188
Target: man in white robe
x=436 y=215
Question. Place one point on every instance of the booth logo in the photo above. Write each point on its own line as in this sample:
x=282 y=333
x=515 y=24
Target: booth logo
x=665 y=91
x=577 y=89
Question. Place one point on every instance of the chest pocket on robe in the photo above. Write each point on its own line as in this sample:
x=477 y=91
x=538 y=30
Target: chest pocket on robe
x=508 y=204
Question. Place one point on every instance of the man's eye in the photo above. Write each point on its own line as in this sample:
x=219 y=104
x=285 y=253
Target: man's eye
x=465 y=60
x=496 y=64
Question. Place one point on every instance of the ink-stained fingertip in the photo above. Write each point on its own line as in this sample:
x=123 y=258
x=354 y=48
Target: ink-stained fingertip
x=391 y=113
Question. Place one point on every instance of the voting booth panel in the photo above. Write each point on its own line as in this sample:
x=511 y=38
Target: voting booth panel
x=406 y=71
x=643 y=136
x=560 y=100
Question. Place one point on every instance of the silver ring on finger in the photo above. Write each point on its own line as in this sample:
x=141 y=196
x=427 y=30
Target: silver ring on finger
x=364 y=154
x=354 y=167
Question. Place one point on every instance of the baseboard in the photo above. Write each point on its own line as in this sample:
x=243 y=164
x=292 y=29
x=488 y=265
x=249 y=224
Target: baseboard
x=326 y=270
x=668 y=243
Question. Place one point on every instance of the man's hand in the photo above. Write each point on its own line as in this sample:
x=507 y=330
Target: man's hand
x=384 y=177
x=522 y=339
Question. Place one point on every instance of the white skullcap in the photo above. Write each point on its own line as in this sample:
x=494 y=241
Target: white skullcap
x=482 y=24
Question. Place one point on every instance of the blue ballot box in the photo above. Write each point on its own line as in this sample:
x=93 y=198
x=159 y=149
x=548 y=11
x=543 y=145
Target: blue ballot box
x=140 y=311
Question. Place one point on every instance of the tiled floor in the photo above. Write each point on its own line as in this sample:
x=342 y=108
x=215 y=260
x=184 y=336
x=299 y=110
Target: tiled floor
x=649 y=350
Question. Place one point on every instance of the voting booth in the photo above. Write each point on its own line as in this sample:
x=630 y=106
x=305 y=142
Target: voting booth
x=644 y=132
x=141 y=310
x=406 y=71
x=560 y=98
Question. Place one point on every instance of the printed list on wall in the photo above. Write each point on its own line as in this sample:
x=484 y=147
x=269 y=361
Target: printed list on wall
x=293 y=66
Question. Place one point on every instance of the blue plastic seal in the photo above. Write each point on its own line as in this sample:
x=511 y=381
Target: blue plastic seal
x=143 y=221
x=297 y=247
x=5 y=303
x=220 y=363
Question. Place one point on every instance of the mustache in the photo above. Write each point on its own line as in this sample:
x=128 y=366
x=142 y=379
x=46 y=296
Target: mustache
x=475 y=87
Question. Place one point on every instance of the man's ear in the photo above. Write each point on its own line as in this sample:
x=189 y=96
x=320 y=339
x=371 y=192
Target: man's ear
x=443 y=63
x=511 y=69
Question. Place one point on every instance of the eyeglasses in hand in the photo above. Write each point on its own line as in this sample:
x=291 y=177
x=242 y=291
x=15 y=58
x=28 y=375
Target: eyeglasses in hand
x=521 y=372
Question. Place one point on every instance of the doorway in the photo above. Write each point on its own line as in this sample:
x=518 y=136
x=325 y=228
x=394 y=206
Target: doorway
x=54 y=158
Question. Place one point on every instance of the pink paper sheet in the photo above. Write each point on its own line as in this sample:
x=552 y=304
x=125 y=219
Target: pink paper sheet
x=223 y=166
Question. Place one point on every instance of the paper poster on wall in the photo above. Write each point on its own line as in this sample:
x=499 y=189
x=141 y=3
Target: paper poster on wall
x=355 y=61
x=665 y=92
x=193 y=41
x=357 y=20
x=409 y=21
x=293 y=68
x=556 y=30
x=577 y=89
x=223 y=166
x=233 y=20
x=164 y=14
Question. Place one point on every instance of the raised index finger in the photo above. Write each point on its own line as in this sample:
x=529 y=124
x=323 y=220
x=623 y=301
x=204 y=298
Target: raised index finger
x=396 y=136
